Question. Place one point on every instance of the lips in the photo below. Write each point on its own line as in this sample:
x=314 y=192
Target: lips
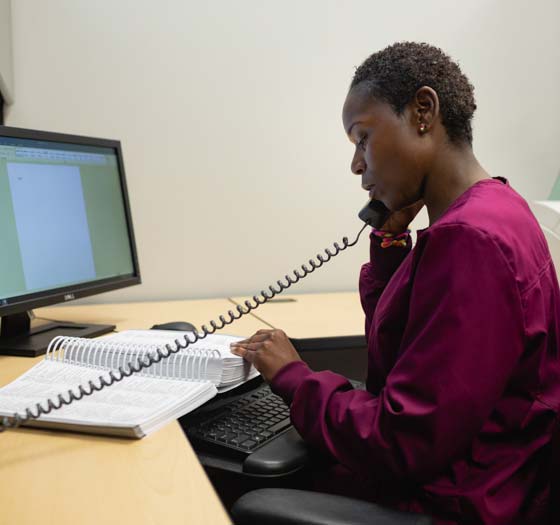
x=371 y=192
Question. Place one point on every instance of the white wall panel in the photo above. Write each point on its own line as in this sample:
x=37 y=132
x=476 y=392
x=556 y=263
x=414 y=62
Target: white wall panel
x=229 y=114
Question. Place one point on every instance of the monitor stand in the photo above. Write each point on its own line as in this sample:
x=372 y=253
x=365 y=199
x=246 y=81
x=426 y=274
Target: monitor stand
x=18 y=338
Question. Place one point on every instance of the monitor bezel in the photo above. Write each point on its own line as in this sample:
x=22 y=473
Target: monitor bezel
x=22 y=303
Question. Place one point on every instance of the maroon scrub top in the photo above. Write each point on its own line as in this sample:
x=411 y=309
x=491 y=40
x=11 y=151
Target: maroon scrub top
x=463 y=383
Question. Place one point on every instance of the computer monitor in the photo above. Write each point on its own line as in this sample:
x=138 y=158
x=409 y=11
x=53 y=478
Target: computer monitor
x=65 y=231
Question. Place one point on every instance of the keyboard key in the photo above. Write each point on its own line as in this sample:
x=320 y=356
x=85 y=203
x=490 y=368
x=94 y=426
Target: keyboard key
x=249 y=444
x=239 y=439
x=280 y=426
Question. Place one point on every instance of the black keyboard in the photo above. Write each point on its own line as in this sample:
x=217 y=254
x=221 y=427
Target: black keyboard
x=243 y=425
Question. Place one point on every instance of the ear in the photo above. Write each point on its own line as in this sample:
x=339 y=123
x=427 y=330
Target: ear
x=424 y=109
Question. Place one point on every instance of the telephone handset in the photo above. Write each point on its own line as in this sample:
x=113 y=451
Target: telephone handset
x=374 y=214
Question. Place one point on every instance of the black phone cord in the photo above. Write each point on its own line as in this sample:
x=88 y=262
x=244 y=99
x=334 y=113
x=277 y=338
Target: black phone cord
x=114 y=376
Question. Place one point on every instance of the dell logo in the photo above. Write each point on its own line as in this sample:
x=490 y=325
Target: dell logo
x=69 y=297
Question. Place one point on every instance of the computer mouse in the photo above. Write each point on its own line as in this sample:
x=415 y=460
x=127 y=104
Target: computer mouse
x=180 y=326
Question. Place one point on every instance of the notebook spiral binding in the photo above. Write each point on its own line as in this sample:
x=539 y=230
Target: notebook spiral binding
x=148 y=358
x=108 y=355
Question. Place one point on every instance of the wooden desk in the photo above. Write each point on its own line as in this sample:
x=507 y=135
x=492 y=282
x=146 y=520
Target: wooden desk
x=327 y=316
x=63 y=478
x=128 y=316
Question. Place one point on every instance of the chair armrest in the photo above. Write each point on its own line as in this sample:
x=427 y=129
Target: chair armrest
x=301 y=507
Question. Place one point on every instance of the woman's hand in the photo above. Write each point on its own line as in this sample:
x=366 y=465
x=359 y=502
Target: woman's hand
x=267 y=350
x=399 y=221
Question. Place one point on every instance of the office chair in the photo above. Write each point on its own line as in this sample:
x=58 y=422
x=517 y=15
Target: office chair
x=302 y=507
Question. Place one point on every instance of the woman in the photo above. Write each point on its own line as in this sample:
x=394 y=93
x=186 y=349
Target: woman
x=463 y=381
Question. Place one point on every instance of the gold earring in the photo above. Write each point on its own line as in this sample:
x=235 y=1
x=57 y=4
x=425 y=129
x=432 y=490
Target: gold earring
x=423 y=128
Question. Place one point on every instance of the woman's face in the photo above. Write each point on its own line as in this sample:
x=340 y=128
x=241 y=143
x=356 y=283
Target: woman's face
x=390 y=154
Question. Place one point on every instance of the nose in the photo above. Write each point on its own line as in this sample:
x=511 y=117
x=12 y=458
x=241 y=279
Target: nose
x=358 y=165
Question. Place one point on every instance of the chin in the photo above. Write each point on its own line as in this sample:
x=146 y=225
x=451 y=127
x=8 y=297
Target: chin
x=389 y=204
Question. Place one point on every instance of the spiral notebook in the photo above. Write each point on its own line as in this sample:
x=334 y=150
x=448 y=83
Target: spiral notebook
x=137 y=405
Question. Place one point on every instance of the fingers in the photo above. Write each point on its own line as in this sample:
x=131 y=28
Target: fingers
x=248 y=355
x=255 y=345
x=257 y=338
x=257 y=342
x=249 y=349
x=261 y=335
x=267 y=350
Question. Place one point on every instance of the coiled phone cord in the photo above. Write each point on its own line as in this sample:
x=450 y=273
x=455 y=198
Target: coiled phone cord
x=148 y=360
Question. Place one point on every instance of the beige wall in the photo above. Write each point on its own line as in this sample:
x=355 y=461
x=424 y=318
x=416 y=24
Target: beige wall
x=229 y=115
x=6 y=68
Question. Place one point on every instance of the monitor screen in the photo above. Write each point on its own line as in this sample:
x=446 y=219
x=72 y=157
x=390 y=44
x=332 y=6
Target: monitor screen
x=65 y=224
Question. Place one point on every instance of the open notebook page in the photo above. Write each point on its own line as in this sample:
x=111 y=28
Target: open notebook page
x=135 y=401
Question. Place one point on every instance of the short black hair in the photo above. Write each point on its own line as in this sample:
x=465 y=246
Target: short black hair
x=395 y=73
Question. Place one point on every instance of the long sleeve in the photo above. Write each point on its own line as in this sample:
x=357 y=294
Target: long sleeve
x=463 y=336
x=376 y=273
